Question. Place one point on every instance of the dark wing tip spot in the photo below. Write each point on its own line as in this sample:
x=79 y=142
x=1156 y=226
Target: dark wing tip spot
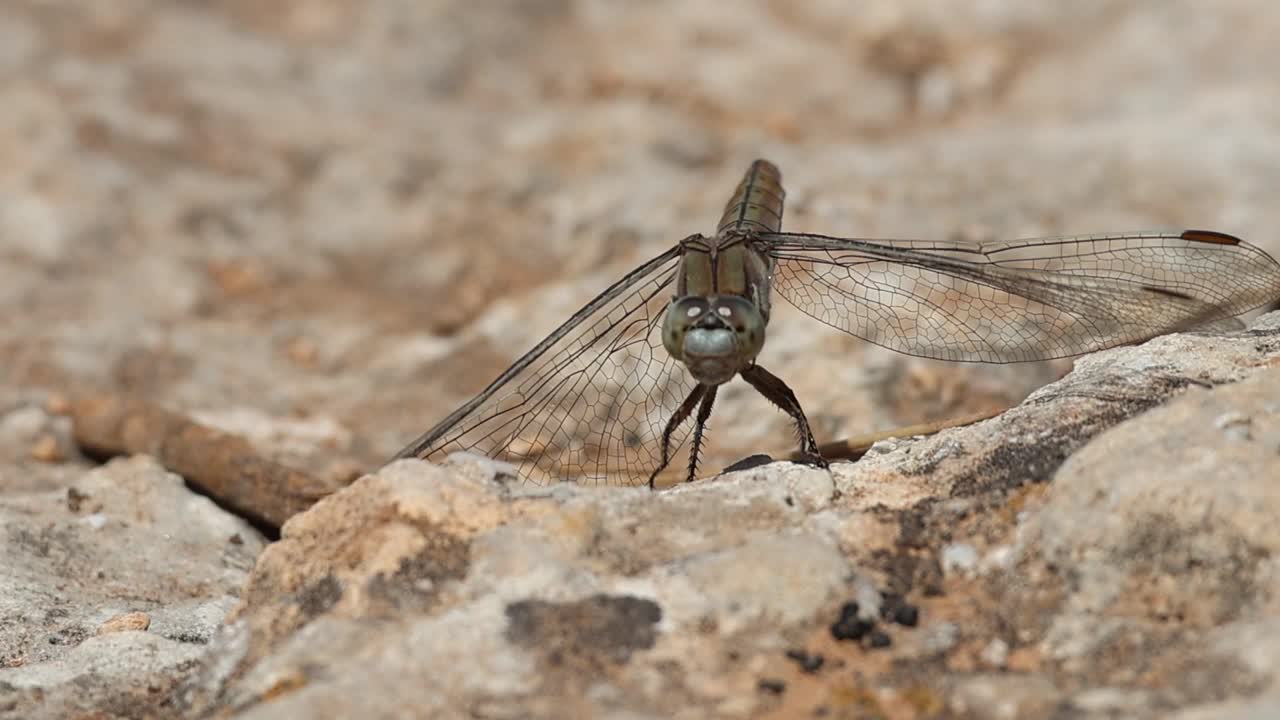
x=1210 y=236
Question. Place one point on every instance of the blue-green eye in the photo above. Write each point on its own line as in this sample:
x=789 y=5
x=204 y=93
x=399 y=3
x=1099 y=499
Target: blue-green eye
x=682 y=314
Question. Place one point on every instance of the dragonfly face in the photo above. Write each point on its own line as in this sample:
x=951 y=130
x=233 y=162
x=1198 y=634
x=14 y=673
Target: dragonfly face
x=606 y=397
x=716 y=337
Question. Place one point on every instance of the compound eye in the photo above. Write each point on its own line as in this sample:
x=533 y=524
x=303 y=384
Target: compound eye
x=681 y=315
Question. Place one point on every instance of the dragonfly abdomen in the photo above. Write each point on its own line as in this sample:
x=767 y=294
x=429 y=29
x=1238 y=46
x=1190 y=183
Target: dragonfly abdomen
x=757 y=203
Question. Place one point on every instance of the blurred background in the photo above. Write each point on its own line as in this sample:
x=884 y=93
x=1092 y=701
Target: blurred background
x=326 y=223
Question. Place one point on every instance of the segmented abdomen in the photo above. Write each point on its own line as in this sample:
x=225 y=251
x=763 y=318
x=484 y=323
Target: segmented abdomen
x=757 y=203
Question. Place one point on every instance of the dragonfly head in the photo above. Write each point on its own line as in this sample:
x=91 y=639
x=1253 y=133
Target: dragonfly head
x=715 y=337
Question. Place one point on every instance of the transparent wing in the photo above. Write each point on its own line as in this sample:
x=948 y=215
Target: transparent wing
x=589 y=403
x=1020 y=300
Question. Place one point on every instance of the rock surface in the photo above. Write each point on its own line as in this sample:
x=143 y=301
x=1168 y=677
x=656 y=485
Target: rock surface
x=1109 y=553
x=297 y=221
x=112 y=588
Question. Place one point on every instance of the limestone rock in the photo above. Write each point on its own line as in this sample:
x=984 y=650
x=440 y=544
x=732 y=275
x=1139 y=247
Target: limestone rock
x=111 y=585
x=325 y=224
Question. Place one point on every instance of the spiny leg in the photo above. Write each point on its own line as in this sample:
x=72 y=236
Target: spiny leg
x=704 y=412
x=681 y=414
x=777 y=392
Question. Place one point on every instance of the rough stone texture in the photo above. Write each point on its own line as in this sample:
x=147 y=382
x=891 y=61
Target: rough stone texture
x=1108 y=555
x=111 y=588
x=296 y=220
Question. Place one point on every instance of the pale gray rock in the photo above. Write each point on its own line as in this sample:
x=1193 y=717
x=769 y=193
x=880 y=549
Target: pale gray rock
x=116 y=674
x=1167 y=492
x=124 y=538
x=1260 y=708
x=1005 y=697
x=544 y=589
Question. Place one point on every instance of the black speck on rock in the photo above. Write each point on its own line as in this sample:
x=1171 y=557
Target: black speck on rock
x=879 y=639
x=75 y=499
x=850 y=626
x=897 y=610
x=772 y=686
x=808 y=662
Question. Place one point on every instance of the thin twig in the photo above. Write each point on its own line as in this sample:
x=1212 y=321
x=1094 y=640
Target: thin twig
x=855 y=447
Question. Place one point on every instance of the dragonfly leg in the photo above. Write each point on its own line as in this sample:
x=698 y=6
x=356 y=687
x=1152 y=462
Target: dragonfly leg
x=777 y=392
x=704 y=412
x=681 y=414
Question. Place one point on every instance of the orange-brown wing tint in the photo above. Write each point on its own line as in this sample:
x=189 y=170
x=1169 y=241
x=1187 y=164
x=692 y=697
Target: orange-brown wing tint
x=1210 y=236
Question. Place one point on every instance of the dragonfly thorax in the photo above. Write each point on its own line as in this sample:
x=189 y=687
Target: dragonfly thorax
x=715 y=337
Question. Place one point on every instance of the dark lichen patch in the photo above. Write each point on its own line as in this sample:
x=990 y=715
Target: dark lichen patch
x=1207 y=593
x=415 y=584
x=913 y=528
x=1013 y=464
x=1098 y=408
x=318 y=597
x=910 y=570
x=1157 y=657
x=57 y=544
x=189 y=638
x=587 y=634
x=70 y=635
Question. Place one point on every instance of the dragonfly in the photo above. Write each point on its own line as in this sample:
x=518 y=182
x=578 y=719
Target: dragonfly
x=607 y=397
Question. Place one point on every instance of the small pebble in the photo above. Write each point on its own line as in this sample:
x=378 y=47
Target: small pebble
x=850 y=626
x=45 y=449
x=906 y=615
x=126 y=622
